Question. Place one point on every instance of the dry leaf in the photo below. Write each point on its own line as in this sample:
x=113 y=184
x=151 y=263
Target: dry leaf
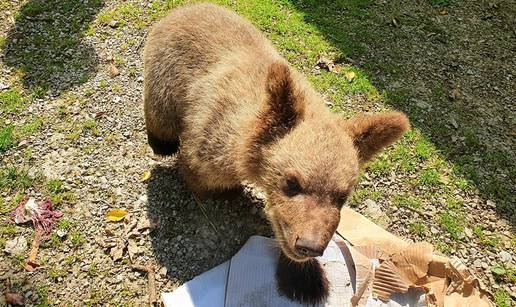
x=444 y=12
x=350 y=75
x=455 y=94
x=327 y=64
x=15 y=299
x=146 y=176
x=113 y=71
x=143 y=224
x=117 y=252
x=132 y=249
x=116 y=215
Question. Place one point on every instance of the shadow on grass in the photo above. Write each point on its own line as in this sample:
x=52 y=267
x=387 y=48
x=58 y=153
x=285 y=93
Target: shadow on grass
x=450 y=68
x=46 y=44
x=185 y=241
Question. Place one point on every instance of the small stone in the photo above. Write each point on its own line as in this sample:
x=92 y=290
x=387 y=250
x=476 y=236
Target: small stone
x=163 y=272
x=113 y=23
x=374 y=211
x=3 y=86
x=484 y=265
x=16 y=246
x=491 y=203
x=477 y=263
x=505 y=256
x=468 y=232
x=423 y=105
x=454 y=123
x=61 y=233
x=434 y=230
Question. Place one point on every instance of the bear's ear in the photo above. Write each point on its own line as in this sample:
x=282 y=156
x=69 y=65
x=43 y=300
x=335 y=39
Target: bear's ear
x=283 y=108
x=279 y=114
x=372 y=133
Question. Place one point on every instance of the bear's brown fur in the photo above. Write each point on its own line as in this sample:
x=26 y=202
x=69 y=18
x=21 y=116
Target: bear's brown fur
x=242 y=114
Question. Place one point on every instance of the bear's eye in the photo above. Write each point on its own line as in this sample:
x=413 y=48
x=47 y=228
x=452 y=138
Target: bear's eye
x=292 y=187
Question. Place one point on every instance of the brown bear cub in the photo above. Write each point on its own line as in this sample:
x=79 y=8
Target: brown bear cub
x=215 y=86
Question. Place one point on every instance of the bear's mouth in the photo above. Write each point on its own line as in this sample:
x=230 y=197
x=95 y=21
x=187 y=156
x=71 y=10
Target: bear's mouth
x=287 y=241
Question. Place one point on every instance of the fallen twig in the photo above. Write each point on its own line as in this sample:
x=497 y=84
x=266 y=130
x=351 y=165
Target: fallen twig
x=203 y=210
x=30 y=264
x=151 y=276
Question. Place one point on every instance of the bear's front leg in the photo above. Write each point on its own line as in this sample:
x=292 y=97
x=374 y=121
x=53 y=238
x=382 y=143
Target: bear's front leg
x=304 y=282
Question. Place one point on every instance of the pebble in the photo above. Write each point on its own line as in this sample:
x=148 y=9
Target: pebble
x=16 y=246
x=375 y=212
x=505 y=256
x=113 y=23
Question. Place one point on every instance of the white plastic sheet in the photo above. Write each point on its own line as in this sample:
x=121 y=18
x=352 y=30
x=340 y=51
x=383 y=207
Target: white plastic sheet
x=248 y=279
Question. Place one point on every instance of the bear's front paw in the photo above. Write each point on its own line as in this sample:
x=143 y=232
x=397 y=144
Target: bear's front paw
x=304 y=282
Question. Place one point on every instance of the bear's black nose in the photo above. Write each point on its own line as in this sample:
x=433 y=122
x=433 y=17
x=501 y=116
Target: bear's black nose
x=309 y=248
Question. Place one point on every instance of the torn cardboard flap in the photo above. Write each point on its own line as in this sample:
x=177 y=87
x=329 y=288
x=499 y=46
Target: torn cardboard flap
x=404 y=265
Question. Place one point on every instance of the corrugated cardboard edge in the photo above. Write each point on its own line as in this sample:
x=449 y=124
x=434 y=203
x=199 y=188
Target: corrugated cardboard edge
x=446 y=282
x=360 y=231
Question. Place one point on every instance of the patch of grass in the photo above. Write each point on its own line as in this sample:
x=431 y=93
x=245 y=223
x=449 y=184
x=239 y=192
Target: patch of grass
x=59 y=198
x=42 y=293
x=124 y=14
x=93 y=270
x=6 y=138
x=56 y=273
x=102 y=84
x=440 y=2
x=417 y=228
x=360 y=195
x=12 y=101
x=502 y=298
x=91 y=125
x=452 y=223
x=444 y=248
x=55 y=186
x=424 y=149
x=407 y=200
x=7 y=232
x=429 y=178
x=381 y=166
x=77 y=238
x=404 y=158
x=12 y=179
x=64 y=224
x=30 y=127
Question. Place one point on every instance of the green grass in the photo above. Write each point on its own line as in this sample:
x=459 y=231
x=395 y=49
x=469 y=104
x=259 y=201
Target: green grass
x=407 y=200
x=6 y=138
x=417 y=228
x=502 y=298
x=429 y=178
x=55 y=186
x=12 y=179
x=77 y=238
x=12 y=101
x=453 y=224
x=30 y=127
